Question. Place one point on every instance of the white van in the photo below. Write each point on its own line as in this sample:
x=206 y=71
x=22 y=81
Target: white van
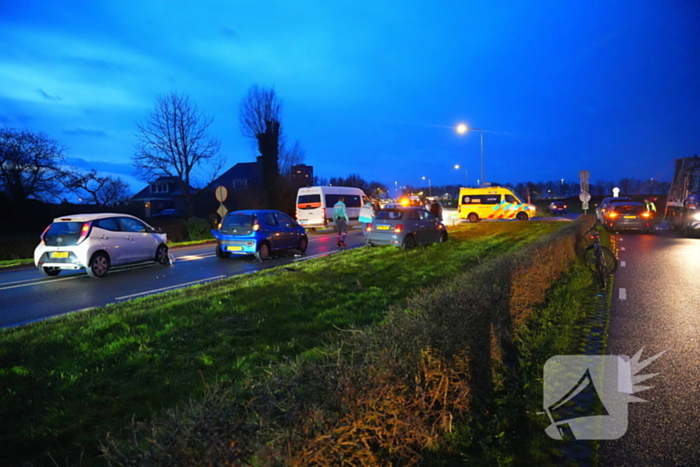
x=315 y=204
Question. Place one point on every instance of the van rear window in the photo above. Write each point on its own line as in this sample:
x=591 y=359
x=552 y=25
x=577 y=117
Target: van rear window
x=309 y=201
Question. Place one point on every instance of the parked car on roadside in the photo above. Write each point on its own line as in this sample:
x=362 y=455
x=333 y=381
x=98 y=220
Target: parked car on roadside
x=628 y=215
x=604 y=205
x=405 y=227
x=558 y=207
x=167 y=214
x=97 y=242
x=259 y=233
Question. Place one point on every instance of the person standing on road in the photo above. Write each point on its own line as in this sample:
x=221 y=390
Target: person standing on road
x=651 y=207
x=340 y=218
x=436 y=209
x=366 y=216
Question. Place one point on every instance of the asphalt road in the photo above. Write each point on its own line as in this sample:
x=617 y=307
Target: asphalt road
x=27 y=296
x=656 y=306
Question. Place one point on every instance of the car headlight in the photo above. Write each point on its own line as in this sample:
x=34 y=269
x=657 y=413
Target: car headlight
x=696 y=216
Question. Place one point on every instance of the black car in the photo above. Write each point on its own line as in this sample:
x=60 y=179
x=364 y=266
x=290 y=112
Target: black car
x=628 y=215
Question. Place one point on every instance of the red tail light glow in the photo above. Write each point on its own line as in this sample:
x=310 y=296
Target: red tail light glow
x=369 y=227
x=612 y=214
x=43 y=235
x=84 y=232
x=646 y=215
x=398 y=228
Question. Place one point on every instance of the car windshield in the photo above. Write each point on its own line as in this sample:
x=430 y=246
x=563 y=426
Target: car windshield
x=63 y=233
x=629 y=209
x=237 y=220
x=389 y=214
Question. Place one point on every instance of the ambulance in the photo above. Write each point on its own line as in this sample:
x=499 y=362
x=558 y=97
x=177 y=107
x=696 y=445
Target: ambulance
x=492 y=203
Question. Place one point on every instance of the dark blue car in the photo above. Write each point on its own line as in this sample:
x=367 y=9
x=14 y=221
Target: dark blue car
x=259 y=233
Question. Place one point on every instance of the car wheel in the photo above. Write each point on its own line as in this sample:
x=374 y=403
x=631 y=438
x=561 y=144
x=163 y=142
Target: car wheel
x=303 y=244
x=162 y=255
x=263 y=253
x=443 y=237
x=409 y=242
x=472 y=217
x=522 y=216
x=221 y=254
x=50 y=271
x=99 y=265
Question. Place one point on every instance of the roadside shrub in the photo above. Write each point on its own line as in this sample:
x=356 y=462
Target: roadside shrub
x=197 y=229
x=376 y=398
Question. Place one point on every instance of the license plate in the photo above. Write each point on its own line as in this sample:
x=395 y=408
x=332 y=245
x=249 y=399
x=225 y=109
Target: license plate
x=234 y=248
x=630 y=217
x=382 y=227
x=59 y=254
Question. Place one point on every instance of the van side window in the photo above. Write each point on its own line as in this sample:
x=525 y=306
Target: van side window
x=512 y=199
x=353 y=201
x=491 y=199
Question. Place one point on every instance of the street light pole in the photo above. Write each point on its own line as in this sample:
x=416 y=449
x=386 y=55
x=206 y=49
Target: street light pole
x=462 y=129
x=430 y=188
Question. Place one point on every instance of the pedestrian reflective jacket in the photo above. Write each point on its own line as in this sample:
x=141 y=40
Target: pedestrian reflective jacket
x=339 y=211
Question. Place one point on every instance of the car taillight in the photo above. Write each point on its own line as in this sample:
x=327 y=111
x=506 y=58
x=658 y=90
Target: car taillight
x=646 y=215
x=43 y=235
x=84 y=232
x=398 y=228
x=459 y=208
x=612 y=215
x=323 y=213
x=369 y=227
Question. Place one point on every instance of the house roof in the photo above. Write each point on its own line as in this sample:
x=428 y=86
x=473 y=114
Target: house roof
x=250 y=171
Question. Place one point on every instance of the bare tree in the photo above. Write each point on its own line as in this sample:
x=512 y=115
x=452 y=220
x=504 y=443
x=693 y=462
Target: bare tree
x=289 y=157
x=259 y=119
x=103 y=191
x=30 y=164
x=173 y=142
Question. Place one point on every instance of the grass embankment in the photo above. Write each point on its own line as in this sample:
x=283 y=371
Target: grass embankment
x=452 y=377
x=68 y=381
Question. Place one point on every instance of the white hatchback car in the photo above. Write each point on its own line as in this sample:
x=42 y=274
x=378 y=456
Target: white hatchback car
x=96 y=242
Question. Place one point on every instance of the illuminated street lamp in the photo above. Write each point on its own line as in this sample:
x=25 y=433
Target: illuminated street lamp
x=430 y=189
x=466 y=173
x=463 y=129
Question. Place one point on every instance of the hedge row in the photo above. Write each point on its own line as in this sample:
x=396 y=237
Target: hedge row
x=378 y=397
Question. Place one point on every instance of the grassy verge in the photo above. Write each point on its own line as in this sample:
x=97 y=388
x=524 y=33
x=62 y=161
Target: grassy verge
x=69 y=381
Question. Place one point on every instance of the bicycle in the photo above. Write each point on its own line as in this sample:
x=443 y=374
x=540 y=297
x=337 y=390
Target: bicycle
x=599 y=259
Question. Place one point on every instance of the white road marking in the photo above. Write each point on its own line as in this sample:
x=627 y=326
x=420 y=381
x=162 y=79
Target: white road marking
x=30 y=282
x=623 y=294
x=622 y=248
x=623 y=264
x=172 y=287
x=194 y=257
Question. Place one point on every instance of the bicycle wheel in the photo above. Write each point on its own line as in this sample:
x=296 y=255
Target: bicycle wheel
x=608 y=261
x=606 y=257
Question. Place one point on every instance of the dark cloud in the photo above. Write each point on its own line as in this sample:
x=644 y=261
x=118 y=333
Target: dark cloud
x=85 y=132
x=47 y=96
x=102 y=166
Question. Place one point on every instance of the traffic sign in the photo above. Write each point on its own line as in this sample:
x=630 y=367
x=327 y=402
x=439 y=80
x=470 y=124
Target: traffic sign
x=584 y=206
x=584 y=185
x=584 y=175
x=222 y=211
x=585 y=197
x=221 y=193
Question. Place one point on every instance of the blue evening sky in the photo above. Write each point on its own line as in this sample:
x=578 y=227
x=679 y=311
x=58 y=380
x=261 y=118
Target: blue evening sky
x=371 y=87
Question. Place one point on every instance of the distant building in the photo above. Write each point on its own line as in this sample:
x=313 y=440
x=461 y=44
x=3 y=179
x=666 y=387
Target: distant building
x=245 y=186
x=164 y=193
x=302 y=175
